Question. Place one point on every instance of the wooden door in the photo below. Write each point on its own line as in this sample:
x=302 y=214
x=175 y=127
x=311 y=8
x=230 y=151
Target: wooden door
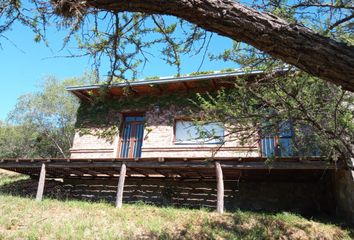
x=132 y=137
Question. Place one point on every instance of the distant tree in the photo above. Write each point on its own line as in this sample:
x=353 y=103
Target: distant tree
x=22 y=141
x=42 y=123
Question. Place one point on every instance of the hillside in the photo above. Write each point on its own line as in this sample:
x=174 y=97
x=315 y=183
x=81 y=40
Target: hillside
x=23 y=218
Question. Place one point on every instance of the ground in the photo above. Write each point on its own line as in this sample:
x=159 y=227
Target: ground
x=22 y=217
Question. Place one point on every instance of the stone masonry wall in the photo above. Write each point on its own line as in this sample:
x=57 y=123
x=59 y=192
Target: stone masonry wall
x=344 y=190
x=158 y=141
x=312 y=196
x=306 y=197
x=91 y=146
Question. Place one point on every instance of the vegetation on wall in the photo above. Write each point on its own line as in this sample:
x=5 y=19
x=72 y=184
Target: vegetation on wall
x=103 y=116
x=320 y=113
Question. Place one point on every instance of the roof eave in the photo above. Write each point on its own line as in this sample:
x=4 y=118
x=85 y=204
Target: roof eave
x=169 y=80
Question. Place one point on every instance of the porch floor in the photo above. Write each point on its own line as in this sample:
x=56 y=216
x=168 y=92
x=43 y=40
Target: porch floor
x=183 y=168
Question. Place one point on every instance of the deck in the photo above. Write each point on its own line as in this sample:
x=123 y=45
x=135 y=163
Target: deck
x=203 y=169
x=161 y=167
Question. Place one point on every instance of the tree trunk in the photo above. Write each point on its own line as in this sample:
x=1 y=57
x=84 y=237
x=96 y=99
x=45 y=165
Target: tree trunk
x=294 y=44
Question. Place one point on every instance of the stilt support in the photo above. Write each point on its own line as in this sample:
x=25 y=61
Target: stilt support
x=119 y=200
x=41 y=182
x=220 y=188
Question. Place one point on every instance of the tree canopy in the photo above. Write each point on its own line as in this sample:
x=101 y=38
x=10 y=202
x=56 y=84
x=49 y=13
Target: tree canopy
x=315 y=36
x=42 y=123
x=319 y=114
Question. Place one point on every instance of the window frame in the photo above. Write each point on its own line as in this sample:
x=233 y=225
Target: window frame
x=122 y=124
x=187 y=119
x=276 y=138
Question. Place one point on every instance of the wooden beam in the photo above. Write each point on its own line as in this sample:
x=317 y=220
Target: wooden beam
x=154 y=163
x=91 y=172
x=76 y=172
x=159 y=88
x=214 y=84
x=159 y=172
x=201 y=175
x=186 y=86
x=119 y=200
x=82 y=95
x=220 y=188
x=139 y=172
x=41 y=182
x=133 y=90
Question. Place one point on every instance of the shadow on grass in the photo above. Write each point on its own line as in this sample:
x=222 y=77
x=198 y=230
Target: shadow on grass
x=27 y=188
x=241 y=225
x=251 y=225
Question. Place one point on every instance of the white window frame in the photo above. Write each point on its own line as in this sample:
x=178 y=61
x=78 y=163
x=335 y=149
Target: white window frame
x=181 y=130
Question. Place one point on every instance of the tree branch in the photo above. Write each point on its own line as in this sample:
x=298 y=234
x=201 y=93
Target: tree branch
x=336 y=24
x=292 y=43
x=324 y=5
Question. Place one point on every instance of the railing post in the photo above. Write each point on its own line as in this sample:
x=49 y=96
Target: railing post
x=41 y=182
x=220 y=188
x=123 y=171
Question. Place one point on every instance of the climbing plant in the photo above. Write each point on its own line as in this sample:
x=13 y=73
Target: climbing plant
x=102 y=117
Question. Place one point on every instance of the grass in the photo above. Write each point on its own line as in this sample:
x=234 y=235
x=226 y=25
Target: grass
x=7 y=177
x=24 y=218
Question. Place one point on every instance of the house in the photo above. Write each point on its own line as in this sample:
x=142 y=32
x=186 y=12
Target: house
x=156 y=119
x=151 y=122
x=143 y=133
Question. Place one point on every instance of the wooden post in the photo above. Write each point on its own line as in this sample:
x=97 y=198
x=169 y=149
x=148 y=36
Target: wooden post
x=220 y=188
x=41 y=182
x=119 y=200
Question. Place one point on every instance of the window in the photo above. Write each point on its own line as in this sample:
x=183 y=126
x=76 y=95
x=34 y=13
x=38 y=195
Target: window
x=279 y=144
x=281 y=141
x=187 y=132
x=307 y=142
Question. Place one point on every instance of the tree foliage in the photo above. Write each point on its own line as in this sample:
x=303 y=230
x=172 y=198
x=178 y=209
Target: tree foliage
x=125 y=32
x=321 y=114
x=42 y=123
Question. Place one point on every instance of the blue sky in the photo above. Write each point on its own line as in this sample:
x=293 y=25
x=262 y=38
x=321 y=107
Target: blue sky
x=23 y=66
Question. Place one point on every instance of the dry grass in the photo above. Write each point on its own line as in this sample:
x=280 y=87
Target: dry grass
x=23 y=218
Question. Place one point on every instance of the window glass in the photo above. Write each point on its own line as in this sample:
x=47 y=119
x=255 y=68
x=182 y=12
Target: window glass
x=278 y=143
x=285 y=129
x=307 y=142
x=187 y=132
x=283 y=142
x=285 y=148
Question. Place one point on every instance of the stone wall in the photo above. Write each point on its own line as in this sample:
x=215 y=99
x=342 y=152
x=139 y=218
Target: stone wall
x=158 y=140
x=309 y=196
x=91 y=146
x=306 y=197
x=344 y=192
